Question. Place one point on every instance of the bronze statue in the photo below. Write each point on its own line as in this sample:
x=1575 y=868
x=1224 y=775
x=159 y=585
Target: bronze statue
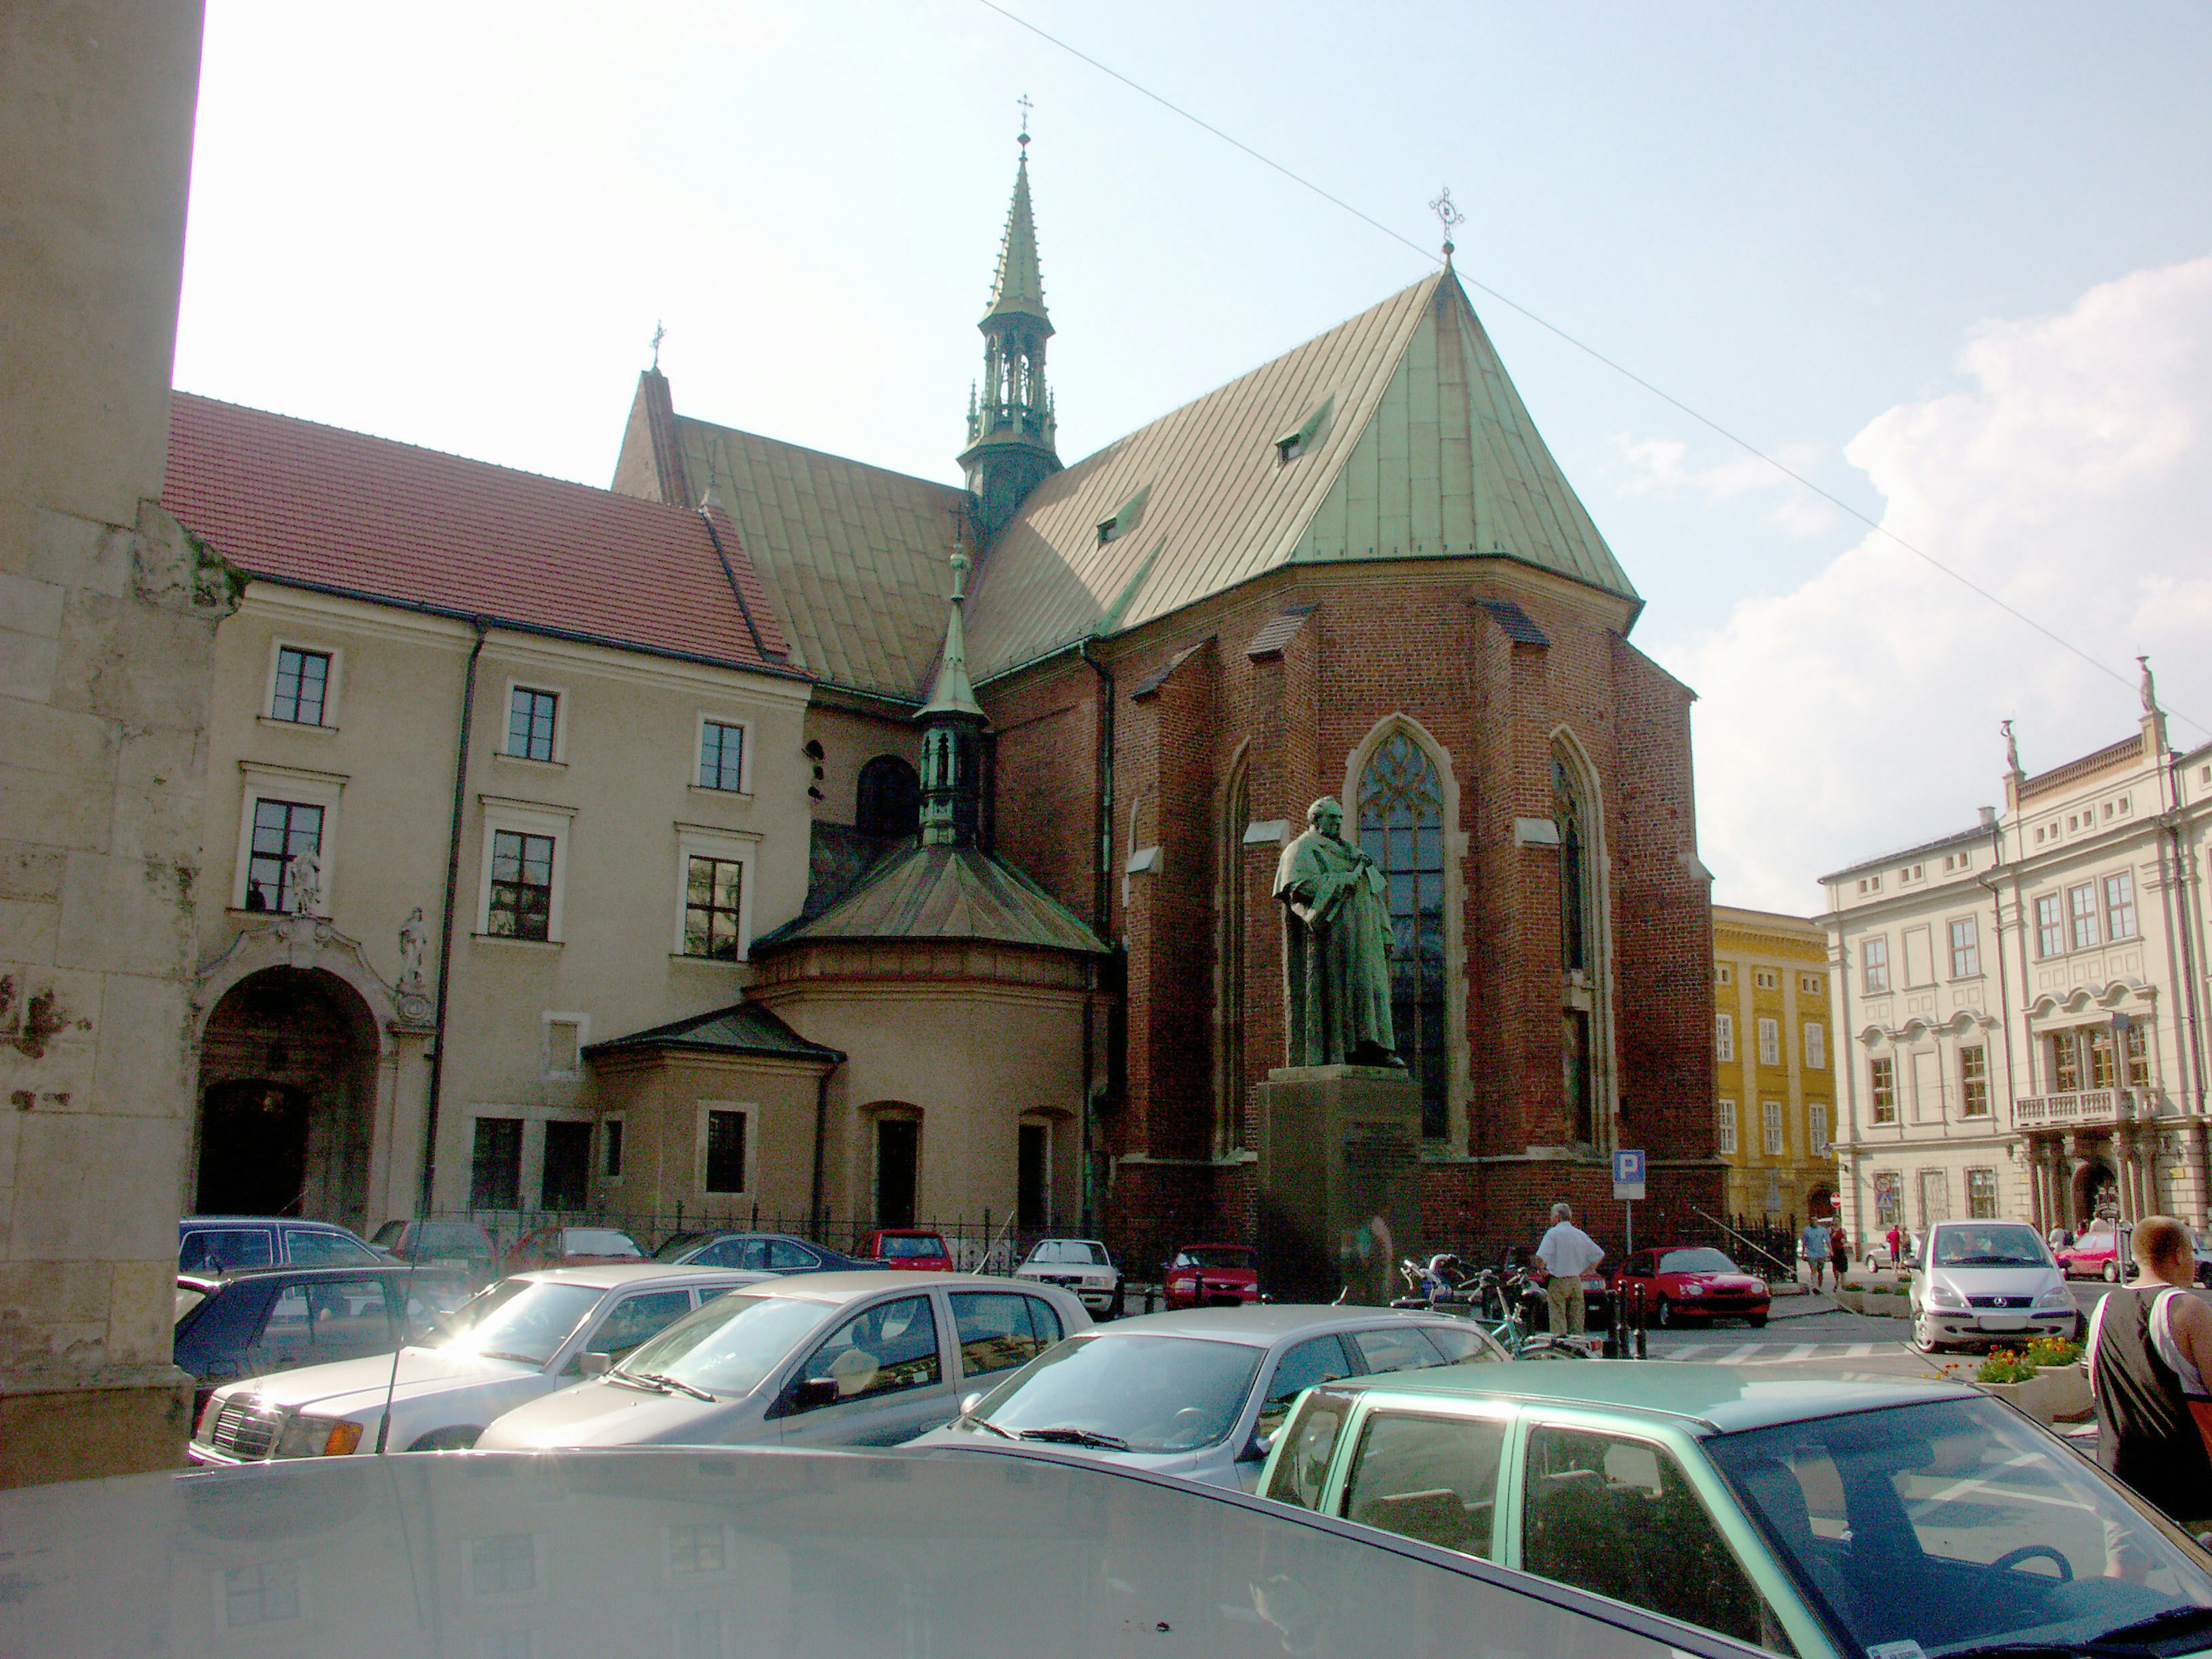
x=1336 y=941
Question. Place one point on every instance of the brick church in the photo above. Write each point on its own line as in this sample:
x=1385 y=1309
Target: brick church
x=1356 y=571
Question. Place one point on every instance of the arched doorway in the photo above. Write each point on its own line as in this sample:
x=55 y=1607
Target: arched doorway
x=2096 y=1192
x=288 y=1072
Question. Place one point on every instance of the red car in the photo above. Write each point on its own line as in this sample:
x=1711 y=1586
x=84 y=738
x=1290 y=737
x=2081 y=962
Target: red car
x=1212 y=1276
x=2097 y=1253
x=571 y=1247
x=906 y=1249
x=1686 y=1282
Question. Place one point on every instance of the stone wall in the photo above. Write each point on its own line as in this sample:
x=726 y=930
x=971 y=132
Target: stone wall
x=107 y=621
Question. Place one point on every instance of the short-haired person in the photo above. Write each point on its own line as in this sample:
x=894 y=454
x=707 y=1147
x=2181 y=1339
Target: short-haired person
x=2150 y=1354
x=1566 y=1254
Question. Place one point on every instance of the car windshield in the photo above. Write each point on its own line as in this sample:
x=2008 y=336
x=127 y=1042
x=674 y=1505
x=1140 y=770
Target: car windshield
x=1068 y=1253
x=678 y=1244
x=2000 y=1244
x=1156 y=1394
x=1696 y=1261
x=1219 y=1255
x=598 y=1241
x=894 y=1244
x=1952 y=1525
x=732 y=1345
x=525 y=1319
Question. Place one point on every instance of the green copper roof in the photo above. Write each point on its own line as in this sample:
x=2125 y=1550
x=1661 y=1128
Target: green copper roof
x=952 y=694
x=742 y=1028
x=1019 y=290
x=948 y=893
x=1408 y=440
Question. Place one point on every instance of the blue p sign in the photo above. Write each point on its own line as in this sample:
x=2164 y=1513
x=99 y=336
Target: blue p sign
x=1627 y=1169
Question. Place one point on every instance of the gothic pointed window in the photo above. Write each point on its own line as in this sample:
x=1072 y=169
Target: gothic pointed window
x=1574 y=873
x=888 y=801
x=1401 y=827
x=1235 y=900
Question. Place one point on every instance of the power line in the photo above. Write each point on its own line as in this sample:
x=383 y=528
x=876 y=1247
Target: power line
x=1554 y=329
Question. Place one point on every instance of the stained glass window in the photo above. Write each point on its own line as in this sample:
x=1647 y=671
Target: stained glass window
x=1401 y=828
x=1574 y=878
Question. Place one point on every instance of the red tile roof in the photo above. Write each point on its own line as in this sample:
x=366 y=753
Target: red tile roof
x=314 y=505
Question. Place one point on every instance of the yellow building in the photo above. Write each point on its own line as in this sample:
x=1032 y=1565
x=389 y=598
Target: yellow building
x=1774 y=1074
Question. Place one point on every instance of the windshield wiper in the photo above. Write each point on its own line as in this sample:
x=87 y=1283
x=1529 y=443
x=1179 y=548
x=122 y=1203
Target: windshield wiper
x=673 y=1383
x=519 y=1359
x=2173 y=1622
x=1075 y=1438
x=985 y=1423
x=631 y=1379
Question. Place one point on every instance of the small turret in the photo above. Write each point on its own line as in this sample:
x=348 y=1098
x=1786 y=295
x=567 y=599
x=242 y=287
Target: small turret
x=1012 y=429
x=952 y=726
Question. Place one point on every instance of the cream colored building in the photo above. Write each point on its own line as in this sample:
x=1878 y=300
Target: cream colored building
x=1774 y=1067
x=107 y=622
x=2024 y=1001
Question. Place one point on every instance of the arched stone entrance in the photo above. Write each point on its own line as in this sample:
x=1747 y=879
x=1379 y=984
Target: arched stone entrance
x=286 y=1091
x=2096 y=1190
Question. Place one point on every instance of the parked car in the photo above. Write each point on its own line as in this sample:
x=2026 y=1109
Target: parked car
x=217 y=1244
x=2100 y=1252
x=1825 y=1520
x=524 y=1336
x=1987 y=1282
x=462 y=1246
x=1878 y=1255
x=1209 y=1276
x=765 y=1253
x=1200 y=1394
x=906 y=1249
x=1689 y=1283
x=260 y=1320
x=1081 y=1265
x=571 y=1247
x=816 y=1359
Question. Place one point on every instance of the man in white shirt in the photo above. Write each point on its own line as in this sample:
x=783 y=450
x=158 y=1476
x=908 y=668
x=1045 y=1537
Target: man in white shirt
x=1566 y=1254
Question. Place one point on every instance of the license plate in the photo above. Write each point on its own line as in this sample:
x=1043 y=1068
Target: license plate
x=2003 y=1321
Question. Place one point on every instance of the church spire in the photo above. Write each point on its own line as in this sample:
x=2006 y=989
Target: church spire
x=952 y=724
x=1012 y=429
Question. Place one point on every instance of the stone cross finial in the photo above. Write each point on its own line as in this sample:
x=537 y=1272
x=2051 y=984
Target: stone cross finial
x=659 y=333
x=1450 y=217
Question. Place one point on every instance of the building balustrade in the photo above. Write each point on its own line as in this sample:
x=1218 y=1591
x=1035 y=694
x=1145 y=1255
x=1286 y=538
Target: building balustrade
x=2084 y=1106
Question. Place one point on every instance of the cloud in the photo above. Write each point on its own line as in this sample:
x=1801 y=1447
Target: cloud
x=2071 y=475
x=1661 y=466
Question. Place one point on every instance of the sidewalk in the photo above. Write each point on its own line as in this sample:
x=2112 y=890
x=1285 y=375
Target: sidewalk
x=1798 y=1302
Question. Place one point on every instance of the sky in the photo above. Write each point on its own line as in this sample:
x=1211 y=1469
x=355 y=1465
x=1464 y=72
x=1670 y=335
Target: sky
x=1952 y=264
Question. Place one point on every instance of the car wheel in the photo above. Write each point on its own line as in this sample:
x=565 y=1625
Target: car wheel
x=1757 y=1321
x=2112 y=1272
x=1663 y=1316
x=1873 y=1266
x=1923 y=1334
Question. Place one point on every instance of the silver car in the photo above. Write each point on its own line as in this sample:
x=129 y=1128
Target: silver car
x=1987 y=1282
x=1199 y=1393
x=816 y=1360
x=524 y=1337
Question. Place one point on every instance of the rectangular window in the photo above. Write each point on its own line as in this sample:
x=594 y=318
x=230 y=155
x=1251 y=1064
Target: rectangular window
x=2120 y=906
x=2082 y=901
x=1887 y=1190
x=303 y=679
x=1935 y=1197
x=1981 y=1194
x=2100 y=1058
x=1974 y=1081
x=721 y=756
x=495 y=1171
x=611 y=1141
x=712 y=890
x=522 y=885
x=1812 y=985
x=1919 y=957
x=1724 y=1126
x=725 y=1151
x=1770 y=1042
x=1816 y=1046
x=1881 y=1076
x=530 y=723
x=1772 y=1112
x=1966 y=948
x=2050 y=926
x=1725 y=1036
x=1874 y=958
x=1816 y=1128
x=283 y=832
x=1767 y=980
x=1725 y=975
x=567 y=1180
x=563 y=1049
x=2065 y=1063
x=2136 y=1048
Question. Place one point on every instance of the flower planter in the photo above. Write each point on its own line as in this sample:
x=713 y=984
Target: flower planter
x=1870 y=1301
x=2061 y=1391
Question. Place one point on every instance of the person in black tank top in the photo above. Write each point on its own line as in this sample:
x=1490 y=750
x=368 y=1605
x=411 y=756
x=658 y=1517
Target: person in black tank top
x=2147 y=1435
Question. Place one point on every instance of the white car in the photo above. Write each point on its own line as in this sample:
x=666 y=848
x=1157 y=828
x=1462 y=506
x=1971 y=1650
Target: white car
x=1877 y=1251
x=1081 y=1265
x=816 y=1359
x=1987 y=1282
x=527 y=1335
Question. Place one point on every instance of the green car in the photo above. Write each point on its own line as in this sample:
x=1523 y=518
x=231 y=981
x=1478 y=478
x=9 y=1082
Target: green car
x=1804 y=1516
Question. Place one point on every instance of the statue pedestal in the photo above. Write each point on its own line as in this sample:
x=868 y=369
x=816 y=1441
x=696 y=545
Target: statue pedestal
x=1340 y=1181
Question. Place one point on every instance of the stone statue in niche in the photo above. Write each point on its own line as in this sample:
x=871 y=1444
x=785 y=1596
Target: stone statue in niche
x=413 y=936
x=1336 y=942
x=306 y=887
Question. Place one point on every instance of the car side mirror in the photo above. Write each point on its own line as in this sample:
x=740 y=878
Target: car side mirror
x=1256 y=1449
x=595 y=1365
x=814 y=1393
x=970 y=1402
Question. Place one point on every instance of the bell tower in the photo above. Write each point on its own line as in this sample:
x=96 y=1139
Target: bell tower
x=1010 y=428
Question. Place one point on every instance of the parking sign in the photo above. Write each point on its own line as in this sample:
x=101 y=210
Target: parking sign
x=1628 y=1176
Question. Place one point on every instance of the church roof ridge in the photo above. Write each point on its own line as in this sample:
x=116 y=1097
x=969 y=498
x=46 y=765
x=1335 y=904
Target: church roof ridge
x=948 y=894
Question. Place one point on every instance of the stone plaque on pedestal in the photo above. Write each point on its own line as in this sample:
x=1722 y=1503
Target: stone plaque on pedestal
x=1340 y=1181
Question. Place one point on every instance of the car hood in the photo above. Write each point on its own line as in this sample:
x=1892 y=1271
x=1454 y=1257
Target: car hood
x=1997 y=1281
x=355 y=1385
x=1209 y=1464
x=1726 y=1284
x=595 y=1412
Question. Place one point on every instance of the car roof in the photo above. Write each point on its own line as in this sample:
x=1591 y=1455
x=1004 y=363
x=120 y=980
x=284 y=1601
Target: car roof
x=905 y=1232
x=739 y=1232
x=341 y=1270
x=611 y=1275
x=852 y=1286
x=1263 y=1324
x=1068 y=1238
x=1720 y=1399
x=294 y=1223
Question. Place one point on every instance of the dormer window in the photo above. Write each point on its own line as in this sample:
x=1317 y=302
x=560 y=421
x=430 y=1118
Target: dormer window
x=1305 y=434
x=1125 y=518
